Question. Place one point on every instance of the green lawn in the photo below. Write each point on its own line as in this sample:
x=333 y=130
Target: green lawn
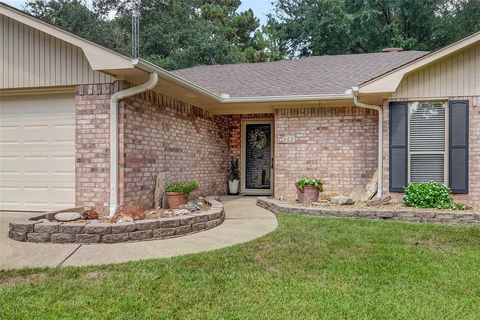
x=308 y=268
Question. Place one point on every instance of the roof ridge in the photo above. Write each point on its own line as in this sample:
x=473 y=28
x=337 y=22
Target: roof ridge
x=300 y=59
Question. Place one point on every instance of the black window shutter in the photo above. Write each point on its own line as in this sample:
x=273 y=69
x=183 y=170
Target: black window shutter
x=398 y=145
x=458 y=146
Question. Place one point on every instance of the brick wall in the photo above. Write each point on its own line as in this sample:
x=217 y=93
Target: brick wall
x=473 y=196
x=92 y=144
x=156 y=134
x=159 y=134
x=337 y=145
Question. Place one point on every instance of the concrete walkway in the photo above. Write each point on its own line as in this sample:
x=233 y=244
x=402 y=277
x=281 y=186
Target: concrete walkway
x=244 y=221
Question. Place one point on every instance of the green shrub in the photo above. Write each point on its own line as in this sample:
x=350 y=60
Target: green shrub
x=309 y=181
x=428 y=195
x=185 y=187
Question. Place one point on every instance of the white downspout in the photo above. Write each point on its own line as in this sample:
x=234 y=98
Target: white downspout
x=115 y=98
x=380 y=136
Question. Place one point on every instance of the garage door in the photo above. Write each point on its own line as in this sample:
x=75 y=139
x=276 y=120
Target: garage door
x=37 y=153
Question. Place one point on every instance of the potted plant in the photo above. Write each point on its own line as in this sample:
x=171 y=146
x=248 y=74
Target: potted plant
x=308 y=189
x=233 y=177
x=177 y=193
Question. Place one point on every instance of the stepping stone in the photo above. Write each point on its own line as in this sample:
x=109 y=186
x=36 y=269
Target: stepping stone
x=68 y=216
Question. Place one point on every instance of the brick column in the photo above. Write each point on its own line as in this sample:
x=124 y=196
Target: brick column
x=92 y=144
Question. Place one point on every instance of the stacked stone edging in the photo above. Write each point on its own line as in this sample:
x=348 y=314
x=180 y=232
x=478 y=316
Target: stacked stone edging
x=34 y=230
x=420 y=215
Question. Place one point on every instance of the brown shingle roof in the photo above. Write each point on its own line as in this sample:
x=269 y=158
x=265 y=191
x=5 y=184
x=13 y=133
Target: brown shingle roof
x=306 y=76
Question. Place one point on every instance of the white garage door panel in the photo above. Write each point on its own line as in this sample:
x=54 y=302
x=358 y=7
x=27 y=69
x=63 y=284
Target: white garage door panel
x=37 y=153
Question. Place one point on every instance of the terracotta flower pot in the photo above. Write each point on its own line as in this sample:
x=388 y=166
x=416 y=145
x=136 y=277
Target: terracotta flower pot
x=308 y=195
x=176 y=199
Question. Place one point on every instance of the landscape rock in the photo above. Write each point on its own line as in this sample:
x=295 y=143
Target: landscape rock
x=68 y=216
x=160 y=189
x=126 y=219
x=370 y=189
x=201 y=201
x=128 y=211
x=342 y=200
x=179 y=212
x=191 y=207
x=90 y=215
x=379 y=201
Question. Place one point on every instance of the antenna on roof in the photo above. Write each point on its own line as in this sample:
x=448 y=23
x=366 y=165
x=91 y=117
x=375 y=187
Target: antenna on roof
x=135 y=33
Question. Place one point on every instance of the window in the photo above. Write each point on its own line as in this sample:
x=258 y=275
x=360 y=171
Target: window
x=427 y=147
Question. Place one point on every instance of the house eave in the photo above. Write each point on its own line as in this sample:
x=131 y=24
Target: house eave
x=389 y=82
x=225 y=99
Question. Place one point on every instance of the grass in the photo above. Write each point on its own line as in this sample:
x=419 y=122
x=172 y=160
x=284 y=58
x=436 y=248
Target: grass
x=309 y=268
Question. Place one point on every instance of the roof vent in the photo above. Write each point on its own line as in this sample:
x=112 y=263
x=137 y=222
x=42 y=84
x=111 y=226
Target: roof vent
x=392 y=49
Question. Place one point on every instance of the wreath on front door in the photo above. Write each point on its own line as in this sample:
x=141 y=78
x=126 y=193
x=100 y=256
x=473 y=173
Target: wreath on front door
x=258 y=139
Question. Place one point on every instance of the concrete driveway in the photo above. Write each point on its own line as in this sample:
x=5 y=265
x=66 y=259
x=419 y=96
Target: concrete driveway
x=244 y=221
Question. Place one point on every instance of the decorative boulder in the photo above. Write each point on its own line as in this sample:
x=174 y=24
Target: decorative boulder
x=126 y=219
x=191 y=206
x=379 y=201
x=342 y=200
x=67 y=216
x=128 y=211
x=90 y=215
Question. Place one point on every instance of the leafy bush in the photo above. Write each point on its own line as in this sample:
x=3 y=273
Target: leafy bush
x=309 y=181
x=185 y=187
x=428 y=195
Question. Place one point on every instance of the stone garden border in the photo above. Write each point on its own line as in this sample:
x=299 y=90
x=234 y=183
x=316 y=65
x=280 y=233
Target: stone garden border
x=33 y=230
x=384 y=213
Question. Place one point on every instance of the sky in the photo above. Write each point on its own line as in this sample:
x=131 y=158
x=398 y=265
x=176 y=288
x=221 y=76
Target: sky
x=259 y=7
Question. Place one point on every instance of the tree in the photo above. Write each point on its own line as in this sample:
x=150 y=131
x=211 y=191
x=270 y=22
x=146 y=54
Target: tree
x=173 y=33
x=317 y=27
x=75 y=16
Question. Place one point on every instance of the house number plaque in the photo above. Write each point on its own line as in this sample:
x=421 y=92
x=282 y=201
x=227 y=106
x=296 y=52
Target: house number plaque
x=286 y=139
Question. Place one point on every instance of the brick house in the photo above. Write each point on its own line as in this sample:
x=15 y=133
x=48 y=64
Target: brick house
x=83 y=125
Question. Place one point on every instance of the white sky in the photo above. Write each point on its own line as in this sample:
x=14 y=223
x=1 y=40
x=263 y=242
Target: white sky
x=259 y=7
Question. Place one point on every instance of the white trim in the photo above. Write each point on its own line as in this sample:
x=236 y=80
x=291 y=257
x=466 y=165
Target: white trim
x=243 y=162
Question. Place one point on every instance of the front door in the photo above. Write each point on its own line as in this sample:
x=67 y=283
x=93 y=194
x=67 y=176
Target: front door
x=257 y=157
